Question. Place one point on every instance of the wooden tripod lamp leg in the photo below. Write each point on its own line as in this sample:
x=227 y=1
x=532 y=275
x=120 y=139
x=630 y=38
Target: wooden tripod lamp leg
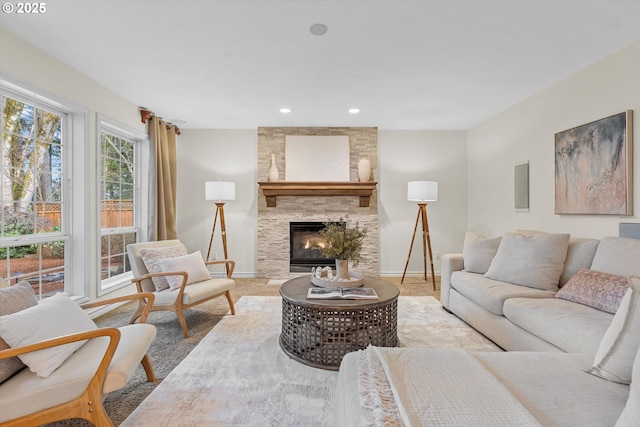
x=411 y=248
x=219 y=211
x=213 y=230
x=425 y=227
x=223 y=228
x=426 y=244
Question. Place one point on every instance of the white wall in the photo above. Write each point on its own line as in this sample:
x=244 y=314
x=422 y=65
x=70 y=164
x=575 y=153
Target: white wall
x=226 y=155
x=26 y=63
x=29 y=67
x=474 y=169
x=526 y=132
x=405 y=156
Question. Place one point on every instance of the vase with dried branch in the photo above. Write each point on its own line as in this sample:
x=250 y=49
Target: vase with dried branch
x=344 y=243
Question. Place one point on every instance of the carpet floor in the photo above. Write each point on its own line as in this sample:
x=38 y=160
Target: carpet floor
x=238 y=374
x=169 y=348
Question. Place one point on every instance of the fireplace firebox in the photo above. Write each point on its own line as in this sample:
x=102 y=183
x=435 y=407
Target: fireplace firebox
x=305 y=247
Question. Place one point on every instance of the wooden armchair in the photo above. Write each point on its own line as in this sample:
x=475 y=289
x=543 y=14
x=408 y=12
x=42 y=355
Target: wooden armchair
x=78 y=387
x=184 y=297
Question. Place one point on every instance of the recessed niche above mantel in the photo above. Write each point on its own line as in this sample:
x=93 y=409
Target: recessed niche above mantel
x=271 y=190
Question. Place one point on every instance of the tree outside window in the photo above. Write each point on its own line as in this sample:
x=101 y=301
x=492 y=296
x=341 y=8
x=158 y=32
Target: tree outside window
x=32 y=239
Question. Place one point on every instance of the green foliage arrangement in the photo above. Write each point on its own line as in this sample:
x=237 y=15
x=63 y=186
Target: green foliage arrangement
x=343 y=241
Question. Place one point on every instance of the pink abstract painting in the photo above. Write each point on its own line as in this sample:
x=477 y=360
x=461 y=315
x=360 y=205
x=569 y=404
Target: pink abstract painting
x=593 y=167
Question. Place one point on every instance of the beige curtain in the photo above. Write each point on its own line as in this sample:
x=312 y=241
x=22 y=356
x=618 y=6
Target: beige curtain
x=163 y=138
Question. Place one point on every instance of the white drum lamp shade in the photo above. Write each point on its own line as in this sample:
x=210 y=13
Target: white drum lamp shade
x=422 y=191
x=219 y=190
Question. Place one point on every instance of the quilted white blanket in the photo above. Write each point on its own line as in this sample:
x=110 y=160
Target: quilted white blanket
x=397 y=385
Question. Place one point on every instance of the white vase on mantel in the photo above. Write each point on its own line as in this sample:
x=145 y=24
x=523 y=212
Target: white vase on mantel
x=364 y=169
x=342 y=269
x=274 y=175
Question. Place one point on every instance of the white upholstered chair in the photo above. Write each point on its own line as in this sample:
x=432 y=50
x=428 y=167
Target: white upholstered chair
x=77 y=388
x=186 y=295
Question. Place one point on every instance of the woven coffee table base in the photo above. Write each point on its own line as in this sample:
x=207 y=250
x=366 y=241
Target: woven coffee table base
x=320 y=336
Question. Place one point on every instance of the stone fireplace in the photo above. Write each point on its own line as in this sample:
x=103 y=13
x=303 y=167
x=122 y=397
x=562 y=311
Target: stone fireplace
x=273 y=246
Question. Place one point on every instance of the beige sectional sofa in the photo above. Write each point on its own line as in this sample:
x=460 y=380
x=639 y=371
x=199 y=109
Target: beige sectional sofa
x=525 y=318
x=572 y=356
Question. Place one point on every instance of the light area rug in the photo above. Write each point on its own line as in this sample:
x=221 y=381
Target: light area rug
x=238 y=375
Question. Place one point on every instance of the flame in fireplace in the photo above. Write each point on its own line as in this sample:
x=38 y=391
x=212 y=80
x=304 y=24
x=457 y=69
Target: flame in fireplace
x=314 y=244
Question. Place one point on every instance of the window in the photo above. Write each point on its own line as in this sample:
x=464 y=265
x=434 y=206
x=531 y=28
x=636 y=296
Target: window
x=33 y=202
x=119 y=151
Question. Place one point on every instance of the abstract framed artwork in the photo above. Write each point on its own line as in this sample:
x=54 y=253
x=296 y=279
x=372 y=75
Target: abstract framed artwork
x=593 y=167
x=317 y=158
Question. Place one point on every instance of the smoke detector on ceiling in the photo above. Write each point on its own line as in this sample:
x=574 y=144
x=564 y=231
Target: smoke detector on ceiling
x=318 y=29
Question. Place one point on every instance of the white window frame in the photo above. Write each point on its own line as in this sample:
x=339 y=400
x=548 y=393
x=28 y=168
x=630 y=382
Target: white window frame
x=74 y=165
x=141 y=191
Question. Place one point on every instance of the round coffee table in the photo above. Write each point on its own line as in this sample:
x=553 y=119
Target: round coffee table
x=320 y=332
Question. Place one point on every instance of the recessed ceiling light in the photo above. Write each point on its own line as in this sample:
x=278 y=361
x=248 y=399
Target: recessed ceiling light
x=178 y=121
x=285 y=110
x=318 y=29
x=354 y=110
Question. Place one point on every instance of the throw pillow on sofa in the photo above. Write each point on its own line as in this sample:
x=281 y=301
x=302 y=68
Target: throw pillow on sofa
x=13 y=299
x=617 y=255
x=619 y=345
x=478 y=251
x=533 y=260
x=54 y=317
x=596 y=289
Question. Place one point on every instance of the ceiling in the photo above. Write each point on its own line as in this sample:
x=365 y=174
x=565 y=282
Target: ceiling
x=406 y=64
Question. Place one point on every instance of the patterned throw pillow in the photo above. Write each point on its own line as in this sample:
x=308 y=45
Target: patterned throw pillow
x=13 y=299
x=595 y=289
x=152 y=258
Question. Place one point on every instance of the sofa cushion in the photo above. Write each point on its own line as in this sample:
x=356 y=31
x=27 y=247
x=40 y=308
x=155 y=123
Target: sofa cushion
x=194 y=292
x=52 y=318
x=596 y=289
x=631 y=413
x=574 y=328
x=134 y=343
x=580 y=255
x=13 y=299
x=618 y=255
x=553 y=387
x=614 y=359
x=152 y=258
x=533 y=260
x=478 y=251
x=491 y=294
x=436 y=387
x=192 y=264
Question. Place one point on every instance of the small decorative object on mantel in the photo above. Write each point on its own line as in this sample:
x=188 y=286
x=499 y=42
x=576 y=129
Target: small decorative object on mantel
x=274 y=174
x=364 y=169
x=344 y=243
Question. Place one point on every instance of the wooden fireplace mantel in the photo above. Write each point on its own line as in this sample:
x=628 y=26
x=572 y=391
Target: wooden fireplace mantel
x=317 y=188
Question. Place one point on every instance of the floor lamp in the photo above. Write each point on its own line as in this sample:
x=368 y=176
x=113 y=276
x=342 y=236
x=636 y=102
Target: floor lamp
x=219 y=192
x=422 y=192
